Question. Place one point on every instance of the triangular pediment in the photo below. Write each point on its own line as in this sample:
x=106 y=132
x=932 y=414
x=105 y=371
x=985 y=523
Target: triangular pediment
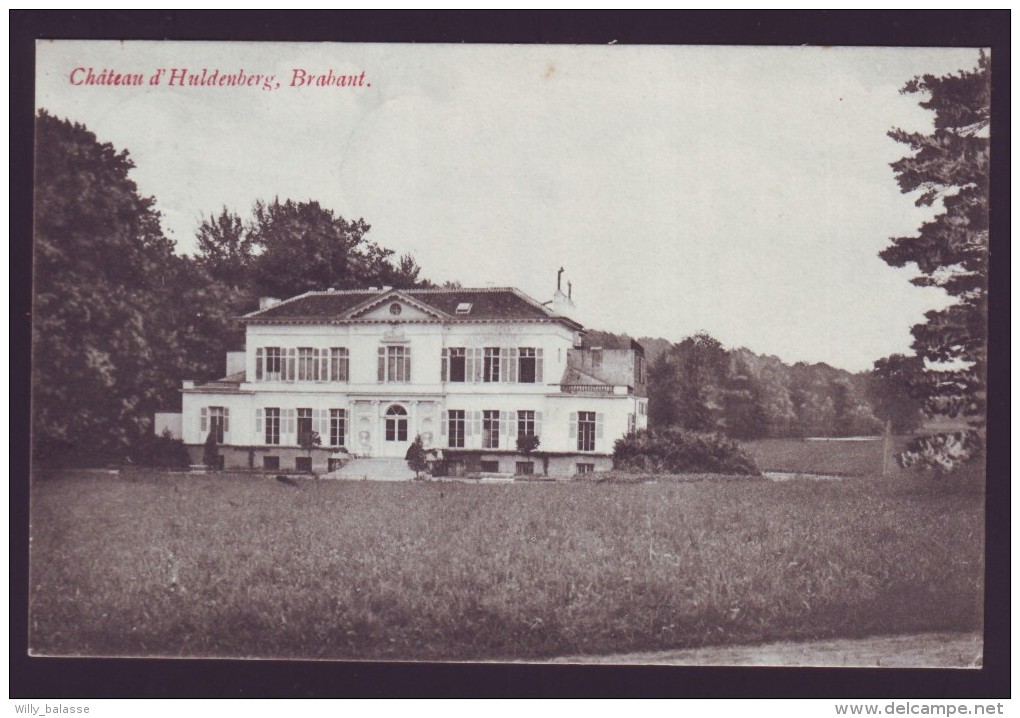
x=394 y=306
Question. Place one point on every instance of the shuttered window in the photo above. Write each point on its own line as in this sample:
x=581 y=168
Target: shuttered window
x=337 y=427
x=394 y=364
x=490 y=429
x=272 y=433
x=307 y=364
x=339 y=364
x=586 y=429
x=454 y=428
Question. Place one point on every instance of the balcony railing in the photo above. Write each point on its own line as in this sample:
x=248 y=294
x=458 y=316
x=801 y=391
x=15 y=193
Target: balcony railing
x=586 y=388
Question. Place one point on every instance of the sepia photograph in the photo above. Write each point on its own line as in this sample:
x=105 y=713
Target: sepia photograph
x=516 y=354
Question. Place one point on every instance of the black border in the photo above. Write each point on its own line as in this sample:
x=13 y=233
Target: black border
x=97 y=678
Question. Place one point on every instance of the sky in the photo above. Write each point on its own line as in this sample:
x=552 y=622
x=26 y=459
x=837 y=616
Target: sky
x=742 y=191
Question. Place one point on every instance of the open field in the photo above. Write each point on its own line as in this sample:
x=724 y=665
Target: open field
x=842 y=458
x=229 y=565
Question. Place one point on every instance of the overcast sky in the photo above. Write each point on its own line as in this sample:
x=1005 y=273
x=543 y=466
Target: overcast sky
x=741 y=191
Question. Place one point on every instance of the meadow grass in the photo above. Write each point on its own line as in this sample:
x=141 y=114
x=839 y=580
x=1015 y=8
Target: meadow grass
x=843 y=458
x=227 y=565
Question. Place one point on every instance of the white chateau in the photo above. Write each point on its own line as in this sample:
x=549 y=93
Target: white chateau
x=469 y=370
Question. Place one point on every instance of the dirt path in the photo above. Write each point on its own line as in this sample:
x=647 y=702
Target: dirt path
x=924 y=650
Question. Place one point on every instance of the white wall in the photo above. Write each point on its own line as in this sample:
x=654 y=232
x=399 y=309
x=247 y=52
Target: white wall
x=425 y=397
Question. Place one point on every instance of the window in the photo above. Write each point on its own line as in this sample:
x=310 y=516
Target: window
x=631 y=423
x=525 y=423
x=525 y=468
x=642 y=408
x=396 y=423
x=308 y=364
x=273 y=426
x=586 y=468
x=274 y=363
x=490 y=365
x=490 y=467
x=455 y=428
x=395 y=364
x=303 y=463
x=218 y=422
x=337 y=426
x=639 y=368
x=490 y=429
x=339 y=364
x=271 y=462
x=456 y=370
x=395 y=309
x=464 y=308
x=304 y=425
x=585 y=431
x=529 y=365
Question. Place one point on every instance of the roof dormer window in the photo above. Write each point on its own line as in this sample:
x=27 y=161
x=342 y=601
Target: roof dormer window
x=464 y=308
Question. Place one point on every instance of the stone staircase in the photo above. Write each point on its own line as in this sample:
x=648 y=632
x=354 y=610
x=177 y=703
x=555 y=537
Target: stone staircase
x=375 y=469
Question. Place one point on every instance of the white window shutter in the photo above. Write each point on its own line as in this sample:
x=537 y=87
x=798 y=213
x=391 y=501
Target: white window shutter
x=291 y=364
x=599 y=421
x=538 y=423
x=291 y=425
x=382 y=364
x=573 y=425
x=203 y=421
x=512 y=376
x=504 y=364
x=226 y=420
x=538 y=366
x=258 y=421
x=477 y=416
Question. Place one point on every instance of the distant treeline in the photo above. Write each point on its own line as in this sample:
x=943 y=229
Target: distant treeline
x=700 y=385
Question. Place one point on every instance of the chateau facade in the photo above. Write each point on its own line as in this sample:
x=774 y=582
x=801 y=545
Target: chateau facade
x=468 y=370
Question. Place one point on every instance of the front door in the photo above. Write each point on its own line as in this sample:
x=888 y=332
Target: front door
x=395 y=432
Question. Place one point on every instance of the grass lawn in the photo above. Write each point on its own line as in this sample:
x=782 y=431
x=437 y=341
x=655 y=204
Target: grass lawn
x=229 y=565
x=843 y=458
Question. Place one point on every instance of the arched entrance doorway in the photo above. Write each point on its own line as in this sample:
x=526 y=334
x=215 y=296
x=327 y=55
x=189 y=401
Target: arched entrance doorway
x=395 y=431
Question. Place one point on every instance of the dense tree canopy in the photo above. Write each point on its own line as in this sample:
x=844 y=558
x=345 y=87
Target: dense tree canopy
x=950 y=165
x=101 y=265
x=288 y=248
x=699 y=385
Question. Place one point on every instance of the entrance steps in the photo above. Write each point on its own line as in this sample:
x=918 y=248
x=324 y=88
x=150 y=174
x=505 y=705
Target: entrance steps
x=374 y=469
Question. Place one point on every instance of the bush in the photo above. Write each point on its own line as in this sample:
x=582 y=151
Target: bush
x=211 y=451
x=415 y=456
x=678 y=451
x=164 y=452
x=943 y=453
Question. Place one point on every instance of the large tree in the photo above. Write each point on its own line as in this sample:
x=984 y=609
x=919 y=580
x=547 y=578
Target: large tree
x=288 y=248
x=891 y=391
x=102 y=266
x=950 y=166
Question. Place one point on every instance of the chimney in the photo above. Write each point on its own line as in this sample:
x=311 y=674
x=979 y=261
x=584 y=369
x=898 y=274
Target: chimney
x=266 y=302
x=563 y=304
